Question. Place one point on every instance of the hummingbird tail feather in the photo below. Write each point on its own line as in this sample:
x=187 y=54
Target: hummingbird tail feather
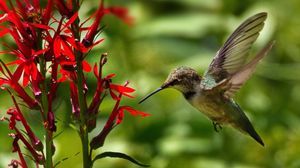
x=251 y=131
x=245 y=125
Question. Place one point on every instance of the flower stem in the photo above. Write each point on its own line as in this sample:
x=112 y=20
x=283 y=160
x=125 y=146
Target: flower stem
x=87 y=162
x=49 y=161
x=83 y=124
x=48 y=134
x=44 y=103
x=83 y=121
x=85 y=148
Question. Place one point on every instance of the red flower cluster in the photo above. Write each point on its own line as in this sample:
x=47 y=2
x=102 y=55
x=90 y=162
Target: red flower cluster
x=117 y=113
x=41 y=49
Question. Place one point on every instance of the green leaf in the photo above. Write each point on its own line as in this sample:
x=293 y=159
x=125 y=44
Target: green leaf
x=64 y=159
x=119 y=155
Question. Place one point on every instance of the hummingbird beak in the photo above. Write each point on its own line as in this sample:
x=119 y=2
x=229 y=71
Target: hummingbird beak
x=150 y=94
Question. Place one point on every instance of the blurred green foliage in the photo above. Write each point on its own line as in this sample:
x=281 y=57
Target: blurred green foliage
x=171 y=33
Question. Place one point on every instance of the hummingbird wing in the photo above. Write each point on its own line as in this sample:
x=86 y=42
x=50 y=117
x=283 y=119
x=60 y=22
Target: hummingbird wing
x=232 y=56
x=235 y=81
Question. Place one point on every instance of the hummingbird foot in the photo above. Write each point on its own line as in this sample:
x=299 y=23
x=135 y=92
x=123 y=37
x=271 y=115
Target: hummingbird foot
x=217 y=126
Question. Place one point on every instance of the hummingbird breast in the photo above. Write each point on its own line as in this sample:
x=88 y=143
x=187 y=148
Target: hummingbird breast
x=213 y=106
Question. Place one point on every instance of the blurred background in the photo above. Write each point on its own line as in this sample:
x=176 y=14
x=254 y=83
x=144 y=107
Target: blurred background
x=172 y=33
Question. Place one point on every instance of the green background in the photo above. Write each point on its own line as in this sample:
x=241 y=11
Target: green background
x=172 y=33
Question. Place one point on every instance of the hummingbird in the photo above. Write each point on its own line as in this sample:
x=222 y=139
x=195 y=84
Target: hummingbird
x=212 y=94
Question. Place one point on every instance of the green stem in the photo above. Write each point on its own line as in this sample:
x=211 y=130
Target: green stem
x=44 y=103
x=49 y=141
x=83 y=132
x=87 y=162
x=83 y=109
x=48 y=134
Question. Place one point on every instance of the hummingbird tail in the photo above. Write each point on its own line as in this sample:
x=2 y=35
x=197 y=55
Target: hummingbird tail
x=245 y=125
x=251 y=131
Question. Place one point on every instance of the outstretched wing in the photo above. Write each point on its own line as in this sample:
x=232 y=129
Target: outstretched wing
x=232 y=56
x=235 y=82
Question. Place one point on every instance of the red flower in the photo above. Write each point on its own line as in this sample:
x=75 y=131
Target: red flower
x=15 y=163
x=24 y=28
x=116 y=115
x=16 y=148
x=41 y=49
x=13 y=83
x=16 y=115
x=121 y=13
x=39 y=158
x=124 y=90
x=24 y=22
x=94 y=29
x=26 y=67
x=48 y=12
x=131 y=111
x=102 y=85
x=98 y=96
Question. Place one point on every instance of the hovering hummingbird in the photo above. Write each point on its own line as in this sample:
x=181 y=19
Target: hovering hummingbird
x=229 y=70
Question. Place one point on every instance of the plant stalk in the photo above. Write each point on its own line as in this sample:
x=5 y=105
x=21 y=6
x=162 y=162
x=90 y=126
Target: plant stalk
x=44 y=103
x=48 y=134
x=83 y=112
x=87 y=162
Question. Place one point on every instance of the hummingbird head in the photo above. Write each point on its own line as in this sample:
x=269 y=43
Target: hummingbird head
x=183 y=79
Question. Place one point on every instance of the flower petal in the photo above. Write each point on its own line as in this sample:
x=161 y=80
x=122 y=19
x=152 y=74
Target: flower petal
x=121 y=13
x=113 y=95
x=86 y=66
x=96 y=70
x=71 y=20
x=134 y=112
x=121 y=89
x=110 y=76
x=4 y=32
x=120 y=116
